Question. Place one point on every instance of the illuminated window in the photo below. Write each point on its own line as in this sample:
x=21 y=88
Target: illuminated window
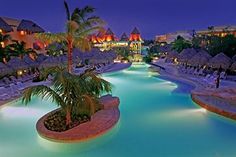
x=22 y=33
x=1 y=31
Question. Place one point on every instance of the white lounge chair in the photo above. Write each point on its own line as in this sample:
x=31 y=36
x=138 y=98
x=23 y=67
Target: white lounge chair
x=223 y=75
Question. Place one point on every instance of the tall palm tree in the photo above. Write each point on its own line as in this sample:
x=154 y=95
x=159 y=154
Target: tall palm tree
x=79 y=26
x=18 y=49
x=70 y=92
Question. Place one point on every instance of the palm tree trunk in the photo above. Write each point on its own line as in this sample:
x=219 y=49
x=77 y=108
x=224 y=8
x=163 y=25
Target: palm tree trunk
x=68 y=117
x=69 y=66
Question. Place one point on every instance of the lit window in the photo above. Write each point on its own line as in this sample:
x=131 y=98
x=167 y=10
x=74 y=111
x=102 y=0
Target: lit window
x=1 y=31
x=22 y=33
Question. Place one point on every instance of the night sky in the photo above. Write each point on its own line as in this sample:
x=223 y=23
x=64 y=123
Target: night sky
x=152 y=17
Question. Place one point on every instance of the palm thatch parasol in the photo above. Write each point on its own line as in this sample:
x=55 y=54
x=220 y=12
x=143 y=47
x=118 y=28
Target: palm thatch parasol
x=186 y=55
x=200 y=59
x=30 y=62
x=63 y=59
x=50 y=62
x=4 y=69
x=233 y=66
x=4 y=26
x=220 y=60
x=17 y=64
x=171 y=55
x=40 y=58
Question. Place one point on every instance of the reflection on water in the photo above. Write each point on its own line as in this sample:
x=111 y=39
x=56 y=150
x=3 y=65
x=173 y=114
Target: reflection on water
x=155 y=121
x=79 y=147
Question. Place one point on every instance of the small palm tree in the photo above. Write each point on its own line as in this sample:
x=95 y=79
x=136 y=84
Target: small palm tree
x=4 y=54
x=79 y=26
x=4 y=38
x=72 y=93
x=18 y=49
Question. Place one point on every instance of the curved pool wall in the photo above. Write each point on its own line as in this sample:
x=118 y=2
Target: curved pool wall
x=155 y=121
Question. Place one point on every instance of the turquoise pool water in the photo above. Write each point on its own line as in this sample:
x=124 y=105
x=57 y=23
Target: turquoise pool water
x=154 y=122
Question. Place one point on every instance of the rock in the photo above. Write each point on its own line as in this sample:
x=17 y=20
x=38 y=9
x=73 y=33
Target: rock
x=109 y=102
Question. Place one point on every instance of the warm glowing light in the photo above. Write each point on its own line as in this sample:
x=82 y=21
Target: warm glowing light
x=176 y=60
x=2 y=44
x=109 y=38
x=22 y=33
x=202 y=110
x=19 y=72
x=1 y=31
x=117 y=61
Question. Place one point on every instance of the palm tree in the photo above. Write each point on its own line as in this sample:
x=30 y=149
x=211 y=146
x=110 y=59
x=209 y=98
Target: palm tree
x=4 y=50
x=180 y=44
x=72 y=93
x=4 y=54
x=4 y=38
x=19 y=49
x=79 y=26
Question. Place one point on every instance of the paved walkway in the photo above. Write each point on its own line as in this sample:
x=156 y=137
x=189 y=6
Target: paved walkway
x=221 y=101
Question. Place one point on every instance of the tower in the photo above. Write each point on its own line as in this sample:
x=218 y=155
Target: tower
x=135 y=41
x=109 y=35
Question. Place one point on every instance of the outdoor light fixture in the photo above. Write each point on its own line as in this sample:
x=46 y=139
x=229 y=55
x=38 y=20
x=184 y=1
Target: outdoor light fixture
x=2 y=44
x=19 y=72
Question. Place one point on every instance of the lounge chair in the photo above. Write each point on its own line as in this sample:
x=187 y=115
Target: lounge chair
x=196 y=72
x=201 y=73
x=4 y=95
x=223 y=75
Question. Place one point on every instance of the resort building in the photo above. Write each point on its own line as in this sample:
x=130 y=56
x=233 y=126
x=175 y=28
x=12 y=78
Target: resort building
x=107 y=41
x=170 y=37
x=22 y=30
x=221 y=31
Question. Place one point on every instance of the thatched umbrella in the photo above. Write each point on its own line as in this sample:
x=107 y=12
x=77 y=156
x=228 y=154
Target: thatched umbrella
x=200 y=59
x=186 y=55
x=63 y=59
x=40 y=58
x=220 y=60
x=233 y=66
x=4 y=26
x=172 y=54
x=30 y=62
x=17 y=64
x=50 y=62
x=29 y=26
x=4 y=69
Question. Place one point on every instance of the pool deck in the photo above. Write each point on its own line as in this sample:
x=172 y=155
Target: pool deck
x=100 y=123
x=221 y=101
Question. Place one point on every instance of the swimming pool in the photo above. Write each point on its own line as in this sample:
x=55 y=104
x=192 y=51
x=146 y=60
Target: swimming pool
x=154 y=122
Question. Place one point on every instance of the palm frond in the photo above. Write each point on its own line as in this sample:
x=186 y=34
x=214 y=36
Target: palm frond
x=51 y=38
x=43 y=91
x=67 y=11
x=90 y=102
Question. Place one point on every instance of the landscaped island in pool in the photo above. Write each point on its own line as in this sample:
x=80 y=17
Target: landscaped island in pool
x=154 y=121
